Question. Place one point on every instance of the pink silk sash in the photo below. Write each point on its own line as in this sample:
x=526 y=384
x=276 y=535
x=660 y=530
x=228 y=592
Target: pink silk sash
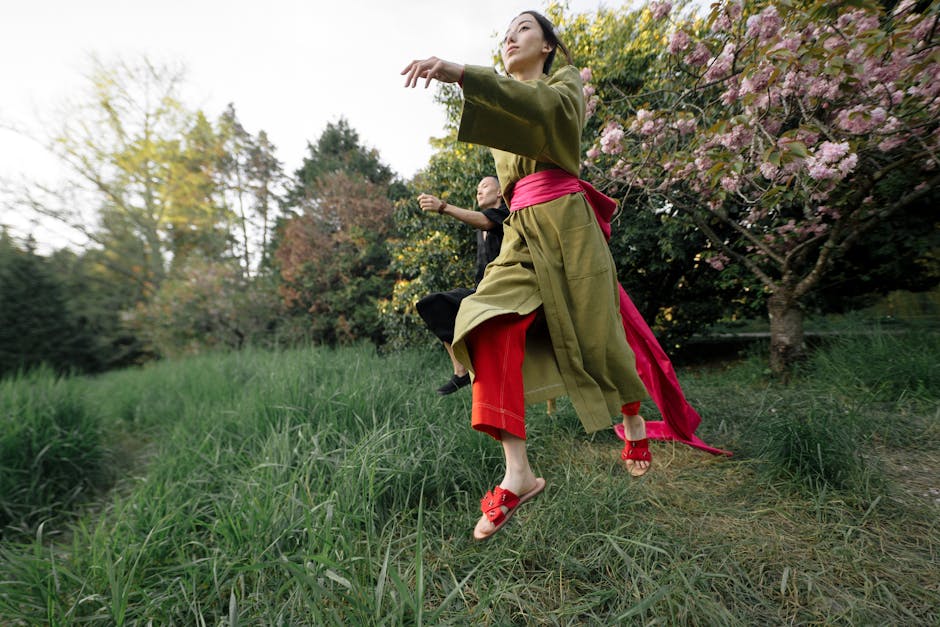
x=680 y=420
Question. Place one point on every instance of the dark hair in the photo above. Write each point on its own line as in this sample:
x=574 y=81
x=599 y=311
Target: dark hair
x=548 y=31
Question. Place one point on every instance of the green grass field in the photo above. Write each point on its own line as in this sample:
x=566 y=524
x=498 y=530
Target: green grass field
x=321 y=487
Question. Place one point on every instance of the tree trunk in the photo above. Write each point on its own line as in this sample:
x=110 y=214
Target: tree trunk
x=786 y=333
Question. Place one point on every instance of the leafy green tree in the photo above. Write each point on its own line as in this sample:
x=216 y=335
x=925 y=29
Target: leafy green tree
x=253 y=186
x=142 y=170
x=152 y=185
x=338 y=149
x=208 y=304
x=37 y=325
x=333 y=259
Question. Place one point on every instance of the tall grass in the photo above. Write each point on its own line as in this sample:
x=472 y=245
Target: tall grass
x=325 y=487
x=51 y=449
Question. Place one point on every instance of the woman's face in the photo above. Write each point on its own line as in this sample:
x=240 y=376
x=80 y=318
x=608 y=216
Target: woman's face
x=524 y=45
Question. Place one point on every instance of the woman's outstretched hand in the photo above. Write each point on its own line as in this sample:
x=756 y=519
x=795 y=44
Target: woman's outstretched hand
x=432 y=67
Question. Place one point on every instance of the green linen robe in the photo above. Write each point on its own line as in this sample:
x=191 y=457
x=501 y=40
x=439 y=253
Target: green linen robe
x=554 y=255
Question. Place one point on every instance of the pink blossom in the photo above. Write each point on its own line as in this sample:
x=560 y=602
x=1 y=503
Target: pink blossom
x=621 y=170
x=660 y=10
x=722 y=23
x=685 y=125
x=646 y=123
x=847 y=165
x=586 y=74
x=590 y=106
x=820 y=171
x=731 y=183
x=855 y=120
x=772 y=125
x=890 y=143
x=832 y=43
x=588 y=91
x=819 y=87
x=718 y=261
x=829 y=152
x=832 y=212
x=737 y=138
x=730 y=96
x=791 y=43
x=924 y=28
x=812 y=230
x=720 y=67
x=611 y=139
x=807 y=137
x=768 y=170
x=699 y=56
x=678 y=42
x=765 y=24
x=703 y=163
x=593 y=153
x=758 y=81
x=831 y=161
x=788 y=227
x=866 y=23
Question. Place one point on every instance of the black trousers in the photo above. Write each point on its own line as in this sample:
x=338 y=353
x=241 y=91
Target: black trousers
x=439 y=311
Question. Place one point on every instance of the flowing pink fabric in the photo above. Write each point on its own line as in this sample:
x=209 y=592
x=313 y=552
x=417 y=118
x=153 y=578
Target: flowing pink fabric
x=680 y=420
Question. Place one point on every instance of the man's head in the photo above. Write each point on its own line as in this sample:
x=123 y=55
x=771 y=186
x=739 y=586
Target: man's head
x=488 y=194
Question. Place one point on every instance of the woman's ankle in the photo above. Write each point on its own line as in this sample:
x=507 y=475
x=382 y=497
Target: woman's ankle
x=634 y=427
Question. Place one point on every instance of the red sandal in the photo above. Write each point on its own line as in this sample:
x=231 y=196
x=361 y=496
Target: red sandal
x=637 y=451
x=494 y=501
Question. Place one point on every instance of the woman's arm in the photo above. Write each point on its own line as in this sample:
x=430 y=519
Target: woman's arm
x=539 y=119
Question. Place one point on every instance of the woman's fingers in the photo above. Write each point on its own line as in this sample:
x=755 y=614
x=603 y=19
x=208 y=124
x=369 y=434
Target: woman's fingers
x=428 y=69
x=413 y=71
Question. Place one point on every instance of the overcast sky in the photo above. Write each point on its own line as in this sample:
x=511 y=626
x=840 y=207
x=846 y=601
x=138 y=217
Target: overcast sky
x=289 y=66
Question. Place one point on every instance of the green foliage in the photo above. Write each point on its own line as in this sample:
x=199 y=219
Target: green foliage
x=37 y=323
x=52 y=453
x=901 y=254
x=333 y=253
x=208 y=304
x=337 y=150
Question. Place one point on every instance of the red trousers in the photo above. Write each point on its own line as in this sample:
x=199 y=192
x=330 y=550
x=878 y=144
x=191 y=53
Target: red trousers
x=497 y=349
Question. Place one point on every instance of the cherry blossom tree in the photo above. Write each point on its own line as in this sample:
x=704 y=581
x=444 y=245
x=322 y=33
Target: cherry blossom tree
x=781 y=131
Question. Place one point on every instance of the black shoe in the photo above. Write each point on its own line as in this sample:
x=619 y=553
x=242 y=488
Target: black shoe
x=454 y=384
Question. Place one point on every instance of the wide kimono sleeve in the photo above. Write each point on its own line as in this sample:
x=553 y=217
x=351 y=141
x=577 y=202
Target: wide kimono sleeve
x=539 y=119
